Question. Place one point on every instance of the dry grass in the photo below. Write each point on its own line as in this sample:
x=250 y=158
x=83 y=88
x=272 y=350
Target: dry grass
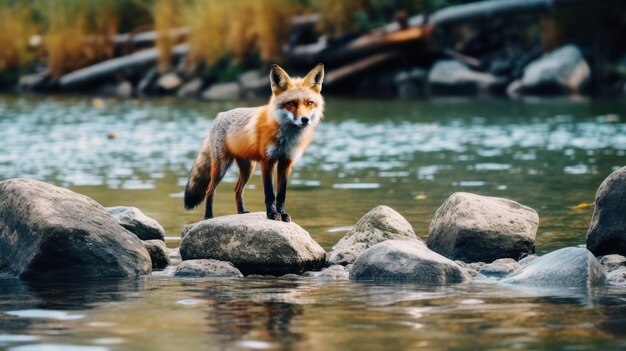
x=16 y=29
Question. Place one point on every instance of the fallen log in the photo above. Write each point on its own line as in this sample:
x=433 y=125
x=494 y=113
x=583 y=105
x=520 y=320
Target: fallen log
x=108 y=68
x=478 y=11
x=337 y=75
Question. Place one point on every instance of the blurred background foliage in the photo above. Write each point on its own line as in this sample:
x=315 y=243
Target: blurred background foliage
x=64 y=35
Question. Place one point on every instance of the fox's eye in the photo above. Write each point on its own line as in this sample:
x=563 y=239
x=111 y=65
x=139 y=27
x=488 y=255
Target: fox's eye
x=292 y=103
x=310 y=103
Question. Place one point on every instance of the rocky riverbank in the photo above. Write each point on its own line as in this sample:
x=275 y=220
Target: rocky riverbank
x=48 y=232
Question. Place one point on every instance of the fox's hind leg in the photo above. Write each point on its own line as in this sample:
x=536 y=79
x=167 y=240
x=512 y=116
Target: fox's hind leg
x=218 y=169
x=245 y=172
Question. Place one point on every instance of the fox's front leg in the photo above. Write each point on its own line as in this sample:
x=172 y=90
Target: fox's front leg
x=283 y=172
x=267 y=168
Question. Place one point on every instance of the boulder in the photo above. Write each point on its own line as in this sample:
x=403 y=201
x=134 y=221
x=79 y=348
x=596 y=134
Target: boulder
x=191 y=89
x=406 y=260
x=254 y=84
x=158 y=253
x=574 y=267
x=223 y=91
x=169 y=82
x=51 y=232
x=475 y=228
x=254 y=244
x=449 y=77
x=137 y=222
x=617 y=276
x=607 y=231
x=380 y=224
x=563 y=70
x=207 y=269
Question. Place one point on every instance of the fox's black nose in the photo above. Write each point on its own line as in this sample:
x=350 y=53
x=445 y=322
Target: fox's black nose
x=304 y=120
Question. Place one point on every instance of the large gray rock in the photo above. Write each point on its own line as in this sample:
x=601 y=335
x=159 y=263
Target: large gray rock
x=574 y=267
x=137 y=222
x=475 y=228
x=206 y=269
x=52 y=232
x=254 y=244
x=406 y=260
x=380 y=224
x=607 y=232
x=563 y=70
x=451 y=77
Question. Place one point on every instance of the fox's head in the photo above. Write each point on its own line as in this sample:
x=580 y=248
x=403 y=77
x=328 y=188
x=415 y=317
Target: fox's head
x=297 y=100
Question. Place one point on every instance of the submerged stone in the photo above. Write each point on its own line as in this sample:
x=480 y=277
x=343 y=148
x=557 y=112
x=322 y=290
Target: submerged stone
x=206 y=269
x=407 y=260
x=254 y=244
x=51 y=232
x=574 y=267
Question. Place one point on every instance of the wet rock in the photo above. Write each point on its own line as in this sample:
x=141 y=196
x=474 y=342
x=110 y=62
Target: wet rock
x=475 y=228
x=169 y=82
x=174 y=255
x=411 y=83
x=451 y=77
x=207 y=269
x=51 y=232
x=335 y=272
x=254 y=244
x=158 y=253
x=223 y=91
x=563 y=70
x=137 y=222
x=191 y=89
x=380 y=224
x=617 y=276
x=573 y=267
x=612 y=262
x=499 y=268
x=407 y=260
x=607 y=231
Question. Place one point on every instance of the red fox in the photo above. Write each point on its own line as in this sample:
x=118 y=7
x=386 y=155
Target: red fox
x=275 y=134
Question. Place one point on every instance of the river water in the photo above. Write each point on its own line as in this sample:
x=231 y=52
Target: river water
x=550 y=155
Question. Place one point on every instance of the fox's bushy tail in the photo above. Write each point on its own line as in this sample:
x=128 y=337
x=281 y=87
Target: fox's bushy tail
x=199 y=177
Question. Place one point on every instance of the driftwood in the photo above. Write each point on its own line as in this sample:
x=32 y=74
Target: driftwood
x=336 y=75
x=108 y=68
x=148 y=38
x=482 y=10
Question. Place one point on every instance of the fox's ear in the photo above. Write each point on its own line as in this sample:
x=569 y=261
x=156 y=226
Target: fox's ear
x=315 y=78
x=279 y=79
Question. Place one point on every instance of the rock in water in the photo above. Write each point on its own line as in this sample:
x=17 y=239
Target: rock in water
x=475 y=228
x=158 y=253
x=206 y=269
x=254 y=244
x=563 y=70
x=380 y=224
x=51 y=232
x=574 y=267
x=137 y=222
x=406 y=260
x=607 y=232
x=449 y=77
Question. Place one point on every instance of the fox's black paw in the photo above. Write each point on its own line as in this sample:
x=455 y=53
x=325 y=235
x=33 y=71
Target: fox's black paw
x=285 y=217
x=274 y=216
